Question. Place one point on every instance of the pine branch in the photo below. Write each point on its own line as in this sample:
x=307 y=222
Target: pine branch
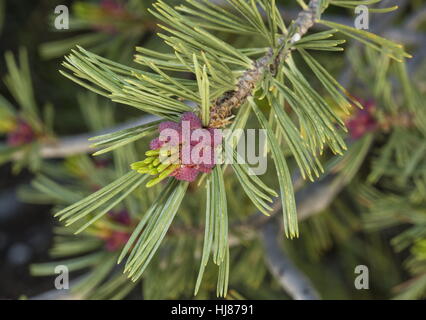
x=161 y=94
x=294 y=282
x=378 y=27
x=221 y=110
x=310 y=200
x=78 y=144
x=313 y=199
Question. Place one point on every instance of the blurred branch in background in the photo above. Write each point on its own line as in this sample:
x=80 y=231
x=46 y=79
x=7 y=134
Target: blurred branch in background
x=79 y=144
x=294 y=282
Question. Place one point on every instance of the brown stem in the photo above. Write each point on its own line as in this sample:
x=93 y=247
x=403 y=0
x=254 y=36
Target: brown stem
x=221 y=110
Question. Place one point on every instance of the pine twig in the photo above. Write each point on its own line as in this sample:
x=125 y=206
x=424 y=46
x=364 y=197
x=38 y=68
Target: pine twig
x=291 y=279
x=221 y=110
x=310 y=200
x=294 y=282
x=78 y=144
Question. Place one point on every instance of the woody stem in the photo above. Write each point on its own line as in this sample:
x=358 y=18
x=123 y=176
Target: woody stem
x=221 y=110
